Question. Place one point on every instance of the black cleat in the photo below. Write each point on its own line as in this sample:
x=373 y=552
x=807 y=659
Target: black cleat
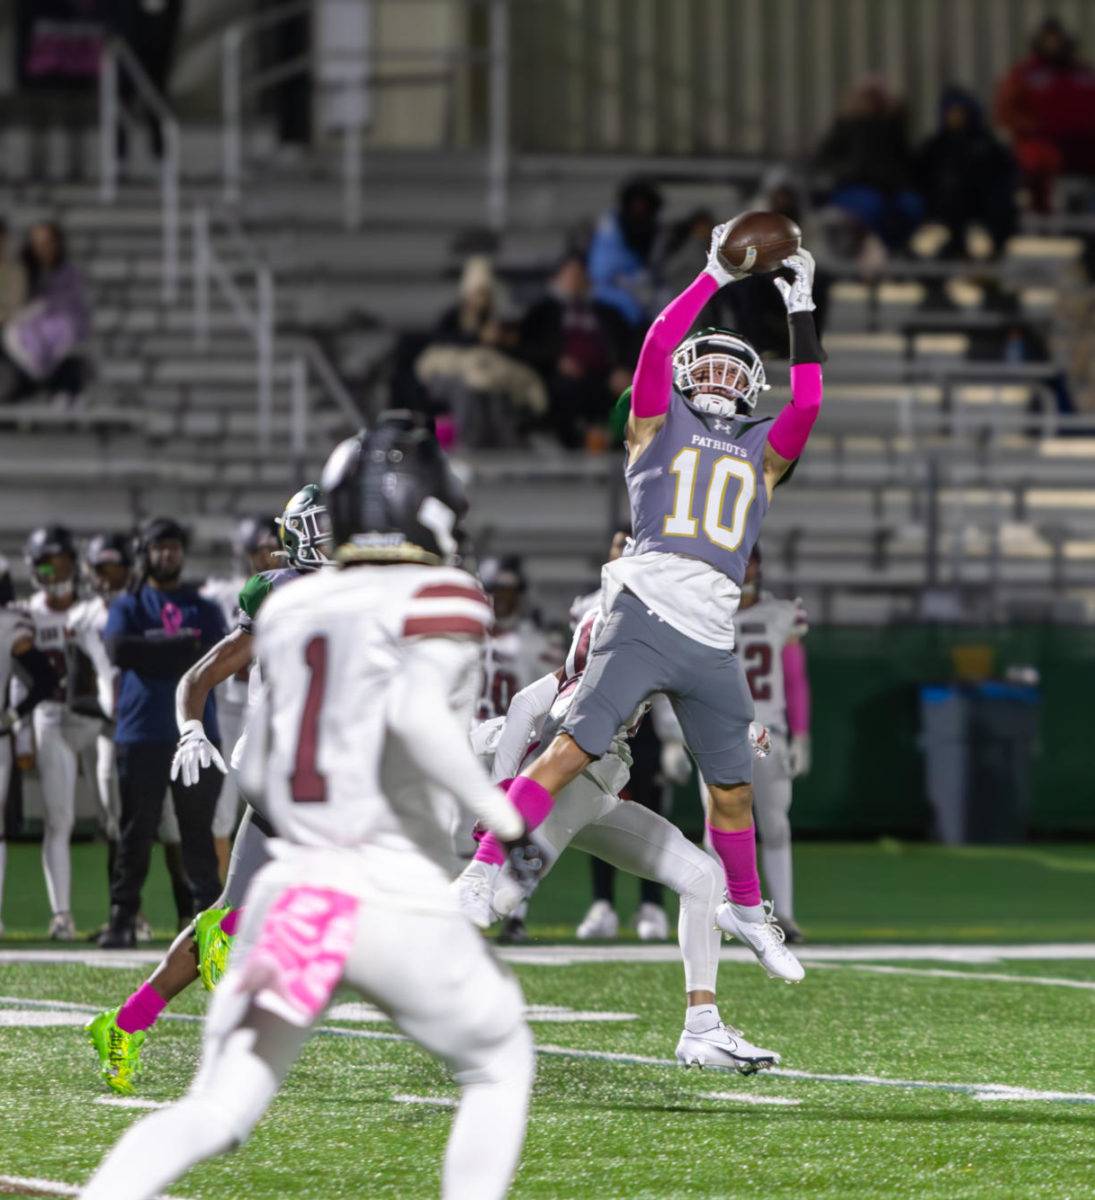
x=792 y=935
x=513 y=932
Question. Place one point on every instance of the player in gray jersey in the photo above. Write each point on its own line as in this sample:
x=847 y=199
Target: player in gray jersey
x=701 y=472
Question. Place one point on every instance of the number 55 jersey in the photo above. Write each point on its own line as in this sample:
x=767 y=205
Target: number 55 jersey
x=698 y=498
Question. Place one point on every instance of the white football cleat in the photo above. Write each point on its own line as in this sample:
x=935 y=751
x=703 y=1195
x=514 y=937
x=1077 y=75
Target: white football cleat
x=651 y=923
x=726 y=1047
x=62 y=928
x=474 y=890
x=600 y=922
x=142 y=929
x=766 y=940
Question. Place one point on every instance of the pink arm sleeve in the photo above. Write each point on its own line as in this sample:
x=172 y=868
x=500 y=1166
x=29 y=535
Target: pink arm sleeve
x=654 y=375
x=796 y=686
x=791 y=428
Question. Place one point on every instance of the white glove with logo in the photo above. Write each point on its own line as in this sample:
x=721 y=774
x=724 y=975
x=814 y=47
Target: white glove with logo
x=676 y=762
x=760 y=739
x=798 y=294
x=194 y=753
x=798 y=752
x=714 y=267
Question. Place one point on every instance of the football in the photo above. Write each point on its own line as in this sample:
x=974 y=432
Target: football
x=757 y=242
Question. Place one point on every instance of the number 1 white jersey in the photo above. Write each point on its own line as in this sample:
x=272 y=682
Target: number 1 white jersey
x=334 y=649
x=762 y=632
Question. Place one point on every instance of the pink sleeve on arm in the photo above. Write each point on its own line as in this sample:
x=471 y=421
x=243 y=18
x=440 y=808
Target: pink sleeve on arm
x=796 y=686
x=653 y=380
x=791 y=428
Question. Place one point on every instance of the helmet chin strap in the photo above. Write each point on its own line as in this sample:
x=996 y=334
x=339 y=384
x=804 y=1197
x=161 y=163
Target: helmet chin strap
x=713 y=405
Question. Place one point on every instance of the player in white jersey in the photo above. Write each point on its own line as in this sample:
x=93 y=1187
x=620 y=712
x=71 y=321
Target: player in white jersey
x=590 y=815
x=17 y=652
x=255 y=546
x=64 y=738
x=515 y=654
x=371 y=676
x=769 y=638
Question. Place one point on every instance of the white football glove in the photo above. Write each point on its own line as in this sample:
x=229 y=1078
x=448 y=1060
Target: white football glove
x=8 y=720
x=714 y=267
x=676 y=762
x=194 y=753
x=798 y=754
x=798 y=294
x=760 y=739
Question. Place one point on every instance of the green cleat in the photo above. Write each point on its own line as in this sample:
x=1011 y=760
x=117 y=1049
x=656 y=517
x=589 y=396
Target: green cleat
x=119 y=1052
x=213 y=945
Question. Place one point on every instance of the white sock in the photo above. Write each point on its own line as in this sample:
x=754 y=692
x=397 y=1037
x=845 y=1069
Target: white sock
x=700 y=1018
x=753 y=913
x=57 y=868
x=776 y=864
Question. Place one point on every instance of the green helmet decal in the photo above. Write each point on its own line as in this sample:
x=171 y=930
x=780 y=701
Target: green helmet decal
x=305 y=529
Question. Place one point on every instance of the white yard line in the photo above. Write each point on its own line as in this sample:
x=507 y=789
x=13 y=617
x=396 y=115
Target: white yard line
x=630 y=952
x=48 y=1187
x=130 y=1102
x=434 y=1101
x=1086 y=985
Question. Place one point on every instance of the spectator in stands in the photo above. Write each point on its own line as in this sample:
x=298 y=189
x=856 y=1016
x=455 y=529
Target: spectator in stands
x=583 y=349
x=41 y=340
x=151 y=29
x=868 y=160
x=967 y=176
x=1046 y=102
x=13 y=279
x=621 y=251
x=470 y=368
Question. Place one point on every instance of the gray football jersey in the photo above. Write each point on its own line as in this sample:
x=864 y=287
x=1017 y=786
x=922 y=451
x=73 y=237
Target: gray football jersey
x=698 y=488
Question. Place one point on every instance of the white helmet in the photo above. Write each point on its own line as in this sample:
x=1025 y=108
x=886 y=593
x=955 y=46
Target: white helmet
x=718 y=373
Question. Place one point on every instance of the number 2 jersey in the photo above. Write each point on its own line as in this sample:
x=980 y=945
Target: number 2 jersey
x=698 y=498
x=762 y=631
x=332 y=648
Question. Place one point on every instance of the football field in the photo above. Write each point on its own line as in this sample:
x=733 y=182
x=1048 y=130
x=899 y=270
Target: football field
x=941 y=1046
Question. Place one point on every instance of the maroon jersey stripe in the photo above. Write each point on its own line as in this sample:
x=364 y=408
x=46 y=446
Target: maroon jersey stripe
x=451 y=591
x=444 y=623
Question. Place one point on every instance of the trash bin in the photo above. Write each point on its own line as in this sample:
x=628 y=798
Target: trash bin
x=979 y=743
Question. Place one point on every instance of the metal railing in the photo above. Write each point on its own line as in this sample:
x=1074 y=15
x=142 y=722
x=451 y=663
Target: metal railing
x=256 y=314
x=118 y=58
x=238 y=86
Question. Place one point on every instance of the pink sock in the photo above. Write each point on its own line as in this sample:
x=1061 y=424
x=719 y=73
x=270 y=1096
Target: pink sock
x=533 y=801
x=141 y=1009
x=738 y=851
x=230 y=921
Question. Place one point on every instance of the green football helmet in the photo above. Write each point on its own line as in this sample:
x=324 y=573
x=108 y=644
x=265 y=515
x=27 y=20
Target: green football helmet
x=305 y=530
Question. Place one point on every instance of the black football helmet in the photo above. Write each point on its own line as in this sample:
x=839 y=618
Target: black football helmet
x=107 y=550
x=392 y=495
x=254 y=532
x=45 y=543
x=7 y=588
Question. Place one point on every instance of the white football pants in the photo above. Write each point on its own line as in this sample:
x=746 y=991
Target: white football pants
x=640 y=841
x=62 y=739
x=7 y=757
x=230 y=718
x=431 y=973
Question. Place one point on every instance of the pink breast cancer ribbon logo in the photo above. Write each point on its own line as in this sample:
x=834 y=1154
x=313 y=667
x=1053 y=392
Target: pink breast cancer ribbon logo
x=301 y=952
x=172 y=618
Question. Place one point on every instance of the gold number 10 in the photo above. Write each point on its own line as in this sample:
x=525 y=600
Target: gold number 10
x=681 y=522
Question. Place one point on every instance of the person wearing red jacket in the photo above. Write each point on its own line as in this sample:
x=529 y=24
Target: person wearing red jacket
x=1046 y=102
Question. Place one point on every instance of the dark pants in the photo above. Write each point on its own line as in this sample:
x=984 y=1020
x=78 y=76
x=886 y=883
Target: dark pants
x=144 y=771
x=645 y=788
